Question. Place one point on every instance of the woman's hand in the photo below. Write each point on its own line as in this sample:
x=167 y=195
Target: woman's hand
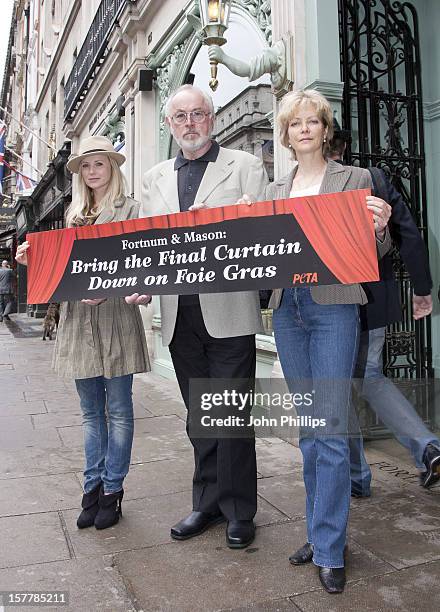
x=21 y=255
x=246 y=199
x=381 y=214
x=94 y=302
x=138 y=300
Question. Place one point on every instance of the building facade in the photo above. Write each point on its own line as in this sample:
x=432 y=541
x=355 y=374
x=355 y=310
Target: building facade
x=108 y=66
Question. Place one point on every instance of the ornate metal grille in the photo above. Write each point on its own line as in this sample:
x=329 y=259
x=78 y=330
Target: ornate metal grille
x=382 y=106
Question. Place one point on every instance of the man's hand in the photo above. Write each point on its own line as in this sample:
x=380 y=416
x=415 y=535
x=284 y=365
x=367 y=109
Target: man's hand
x=198 y=206
x=422 y=306
x=95 y=302
x=381 y=214
x=139 y=300
x=246 y=199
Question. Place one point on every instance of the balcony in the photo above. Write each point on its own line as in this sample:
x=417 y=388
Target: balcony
x=91 y=55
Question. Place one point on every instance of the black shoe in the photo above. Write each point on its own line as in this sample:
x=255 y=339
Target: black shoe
x=6 y=317
x=332 y=578
x=195 y=524
x=359 y=494
x=110 y=509
x=431 y=459
x=240 y=534
x=302 y=555
x=90 y=507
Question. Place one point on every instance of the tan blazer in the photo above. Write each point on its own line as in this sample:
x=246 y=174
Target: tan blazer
x=224 y=182
x=106 y=340
x=336 y=178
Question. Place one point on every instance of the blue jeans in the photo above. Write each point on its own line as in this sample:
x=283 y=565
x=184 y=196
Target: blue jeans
x=107 y=445
x=317 y=346
x=392 y=408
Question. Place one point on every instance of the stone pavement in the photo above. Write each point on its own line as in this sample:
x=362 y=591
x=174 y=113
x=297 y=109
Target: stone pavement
x=394 y=537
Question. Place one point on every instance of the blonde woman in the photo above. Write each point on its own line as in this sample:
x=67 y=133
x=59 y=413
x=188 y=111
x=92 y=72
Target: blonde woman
x=316 y=332
x=101 y=342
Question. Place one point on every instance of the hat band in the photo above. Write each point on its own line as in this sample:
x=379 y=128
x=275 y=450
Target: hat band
x=97 y=151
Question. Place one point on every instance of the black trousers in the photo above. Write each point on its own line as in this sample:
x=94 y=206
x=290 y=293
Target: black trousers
x=6 y=301
x=225 y=475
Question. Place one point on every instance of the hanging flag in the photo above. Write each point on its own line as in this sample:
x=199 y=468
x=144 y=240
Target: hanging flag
x=23 y=183
x=2 y=152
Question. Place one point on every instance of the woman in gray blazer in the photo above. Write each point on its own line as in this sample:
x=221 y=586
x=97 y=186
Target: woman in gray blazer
x=316 y=332
x=101 y=343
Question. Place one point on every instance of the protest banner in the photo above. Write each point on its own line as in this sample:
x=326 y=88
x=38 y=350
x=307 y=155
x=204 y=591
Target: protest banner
x=326 y=239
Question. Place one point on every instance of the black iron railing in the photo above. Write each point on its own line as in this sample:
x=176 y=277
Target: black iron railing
x=383 y=108
x=91 y=54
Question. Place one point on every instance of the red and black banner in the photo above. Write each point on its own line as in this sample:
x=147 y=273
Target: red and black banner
x=315 y=240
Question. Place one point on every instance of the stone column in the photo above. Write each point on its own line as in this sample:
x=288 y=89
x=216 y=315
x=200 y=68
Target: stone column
x=314 y=27
x=140 y=113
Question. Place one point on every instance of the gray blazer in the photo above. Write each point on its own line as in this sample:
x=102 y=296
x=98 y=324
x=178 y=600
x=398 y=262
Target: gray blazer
x=336 y=178
x=224 y=182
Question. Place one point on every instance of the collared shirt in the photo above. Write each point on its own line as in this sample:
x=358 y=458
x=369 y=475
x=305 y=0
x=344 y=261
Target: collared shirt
x=190 y=173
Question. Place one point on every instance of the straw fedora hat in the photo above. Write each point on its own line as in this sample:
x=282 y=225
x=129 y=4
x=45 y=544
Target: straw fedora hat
x=93 y=145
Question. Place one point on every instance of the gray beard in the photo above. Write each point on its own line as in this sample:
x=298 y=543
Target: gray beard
x=194 y=145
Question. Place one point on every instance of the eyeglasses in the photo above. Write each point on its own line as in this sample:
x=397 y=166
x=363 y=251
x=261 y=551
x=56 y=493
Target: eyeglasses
x=196 y=116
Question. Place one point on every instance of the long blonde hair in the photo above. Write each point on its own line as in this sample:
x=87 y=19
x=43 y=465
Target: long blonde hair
x=80 y=210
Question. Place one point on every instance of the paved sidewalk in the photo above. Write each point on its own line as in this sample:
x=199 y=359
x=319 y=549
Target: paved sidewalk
x=394 y=537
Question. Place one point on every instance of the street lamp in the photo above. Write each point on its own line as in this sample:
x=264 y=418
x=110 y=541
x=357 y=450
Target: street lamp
x=214 y=18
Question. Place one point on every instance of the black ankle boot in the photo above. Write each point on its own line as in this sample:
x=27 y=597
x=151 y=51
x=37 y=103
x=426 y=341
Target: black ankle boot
x=90 y=507
x=109 y=509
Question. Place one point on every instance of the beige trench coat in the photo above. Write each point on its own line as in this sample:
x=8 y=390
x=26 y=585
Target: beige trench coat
x=106 y=340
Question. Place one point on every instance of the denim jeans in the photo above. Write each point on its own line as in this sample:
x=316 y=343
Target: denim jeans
x=392 y=408
x=317 y=346
x=107 y=440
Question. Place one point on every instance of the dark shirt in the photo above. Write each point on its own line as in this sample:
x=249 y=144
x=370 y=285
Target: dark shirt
x=190 y=173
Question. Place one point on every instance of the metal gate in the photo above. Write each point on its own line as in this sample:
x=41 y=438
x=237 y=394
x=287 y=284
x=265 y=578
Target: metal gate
x=382 y=106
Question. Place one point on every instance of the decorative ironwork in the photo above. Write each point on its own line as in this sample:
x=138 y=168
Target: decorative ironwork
x=91 y=55
x=383 y=109
x=165 y=76
x=261 y=12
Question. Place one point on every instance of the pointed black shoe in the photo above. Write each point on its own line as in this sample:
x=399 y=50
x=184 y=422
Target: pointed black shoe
x=195 y=524
x=110 y=509
x=240 y=534
x=431 y=459
x=302 y=555
x=332 y=578
x=90 y=507
x=305 y=554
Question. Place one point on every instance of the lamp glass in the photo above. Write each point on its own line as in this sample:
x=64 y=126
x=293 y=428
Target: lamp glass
x=215 y=12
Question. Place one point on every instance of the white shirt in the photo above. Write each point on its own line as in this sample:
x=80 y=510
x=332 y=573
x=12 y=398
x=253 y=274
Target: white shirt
x=312 y=190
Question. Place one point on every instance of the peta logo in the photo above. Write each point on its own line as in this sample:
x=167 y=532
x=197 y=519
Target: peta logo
x=305 y=277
